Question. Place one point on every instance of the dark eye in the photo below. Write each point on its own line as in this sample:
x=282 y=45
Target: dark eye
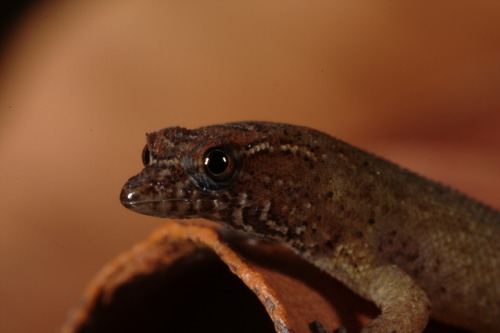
x=146 y=156
x=220 y=164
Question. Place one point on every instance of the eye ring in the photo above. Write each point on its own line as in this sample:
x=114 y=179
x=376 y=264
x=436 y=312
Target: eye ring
x=146 y=156
x=219 y=164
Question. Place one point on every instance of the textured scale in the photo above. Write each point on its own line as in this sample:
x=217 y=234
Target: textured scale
x=412 y=246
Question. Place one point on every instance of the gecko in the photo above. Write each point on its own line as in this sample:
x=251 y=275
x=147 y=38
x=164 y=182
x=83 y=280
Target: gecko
x=415 y=248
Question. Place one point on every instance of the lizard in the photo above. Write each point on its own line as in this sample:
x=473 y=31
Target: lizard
x=414 y=247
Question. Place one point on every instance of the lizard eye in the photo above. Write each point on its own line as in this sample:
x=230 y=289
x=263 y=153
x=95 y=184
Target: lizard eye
x=146 y=156
x=220 y=164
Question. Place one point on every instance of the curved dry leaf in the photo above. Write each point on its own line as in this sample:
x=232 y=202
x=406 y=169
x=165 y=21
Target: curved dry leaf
x=198 y=277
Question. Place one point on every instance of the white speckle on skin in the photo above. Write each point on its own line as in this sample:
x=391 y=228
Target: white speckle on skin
x=218 y=205
x=242 y=199
x=179 y=193
x=165 y=163
x=197 y=205
x=283 y=229
x=248 y=228
x=164 y=173
x=288 y=147
x=299 y=149
x=259 y=147
x=265 y=210
x=238 y=217
x=301 y=229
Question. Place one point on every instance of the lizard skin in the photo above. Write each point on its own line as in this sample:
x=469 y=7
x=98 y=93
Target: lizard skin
x=412 y=246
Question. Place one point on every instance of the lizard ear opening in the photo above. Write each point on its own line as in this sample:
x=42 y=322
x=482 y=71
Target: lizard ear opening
x=220 y=164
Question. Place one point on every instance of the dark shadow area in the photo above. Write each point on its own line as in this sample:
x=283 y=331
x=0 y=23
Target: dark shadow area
x=197 y=293
x=11 y=13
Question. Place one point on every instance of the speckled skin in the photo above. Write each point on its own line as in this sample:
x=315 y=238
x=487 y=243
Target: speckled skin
x=412 y=246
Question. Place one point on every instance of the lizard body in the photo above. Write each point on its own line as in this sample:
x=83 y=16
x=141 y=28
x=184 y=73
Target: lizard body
x=412 y=246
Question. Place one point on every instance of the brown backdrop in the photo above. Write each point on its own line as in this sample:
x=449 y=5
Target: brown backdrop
x=80 y=84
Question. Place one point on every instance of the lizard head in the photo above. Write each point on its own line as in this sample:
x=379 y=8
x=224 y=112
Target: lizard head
x=259 y=177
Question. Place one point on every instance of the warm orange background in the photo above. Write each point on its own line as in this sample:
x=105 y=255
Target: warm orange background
x=81 y=82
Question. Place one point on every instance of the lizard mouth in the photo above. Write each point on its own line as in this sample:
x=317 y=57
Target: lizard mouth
x=173 y=208
x=165 y=207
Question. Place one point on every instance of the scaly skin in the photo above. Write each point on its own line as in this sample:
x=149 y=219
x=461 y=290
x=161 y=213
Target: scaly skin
x=410 y=245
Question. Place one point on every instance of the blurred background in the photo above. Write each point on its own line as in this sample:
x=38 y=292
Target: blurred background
x=82 y=81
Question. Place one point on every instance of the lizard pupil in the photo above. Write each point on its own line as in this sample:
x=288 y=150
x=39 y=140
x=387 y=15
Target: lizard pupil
x=216 y=162
x=218 y=168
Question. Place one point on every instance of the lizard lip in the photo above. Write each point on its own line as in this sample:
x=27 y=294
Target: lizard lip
x=147 y=202
x=153 y=205
x=130 y=198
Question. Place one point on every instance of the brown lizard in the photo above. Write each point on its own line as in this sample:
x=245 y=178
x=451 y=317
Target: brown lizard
x=412 y=246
